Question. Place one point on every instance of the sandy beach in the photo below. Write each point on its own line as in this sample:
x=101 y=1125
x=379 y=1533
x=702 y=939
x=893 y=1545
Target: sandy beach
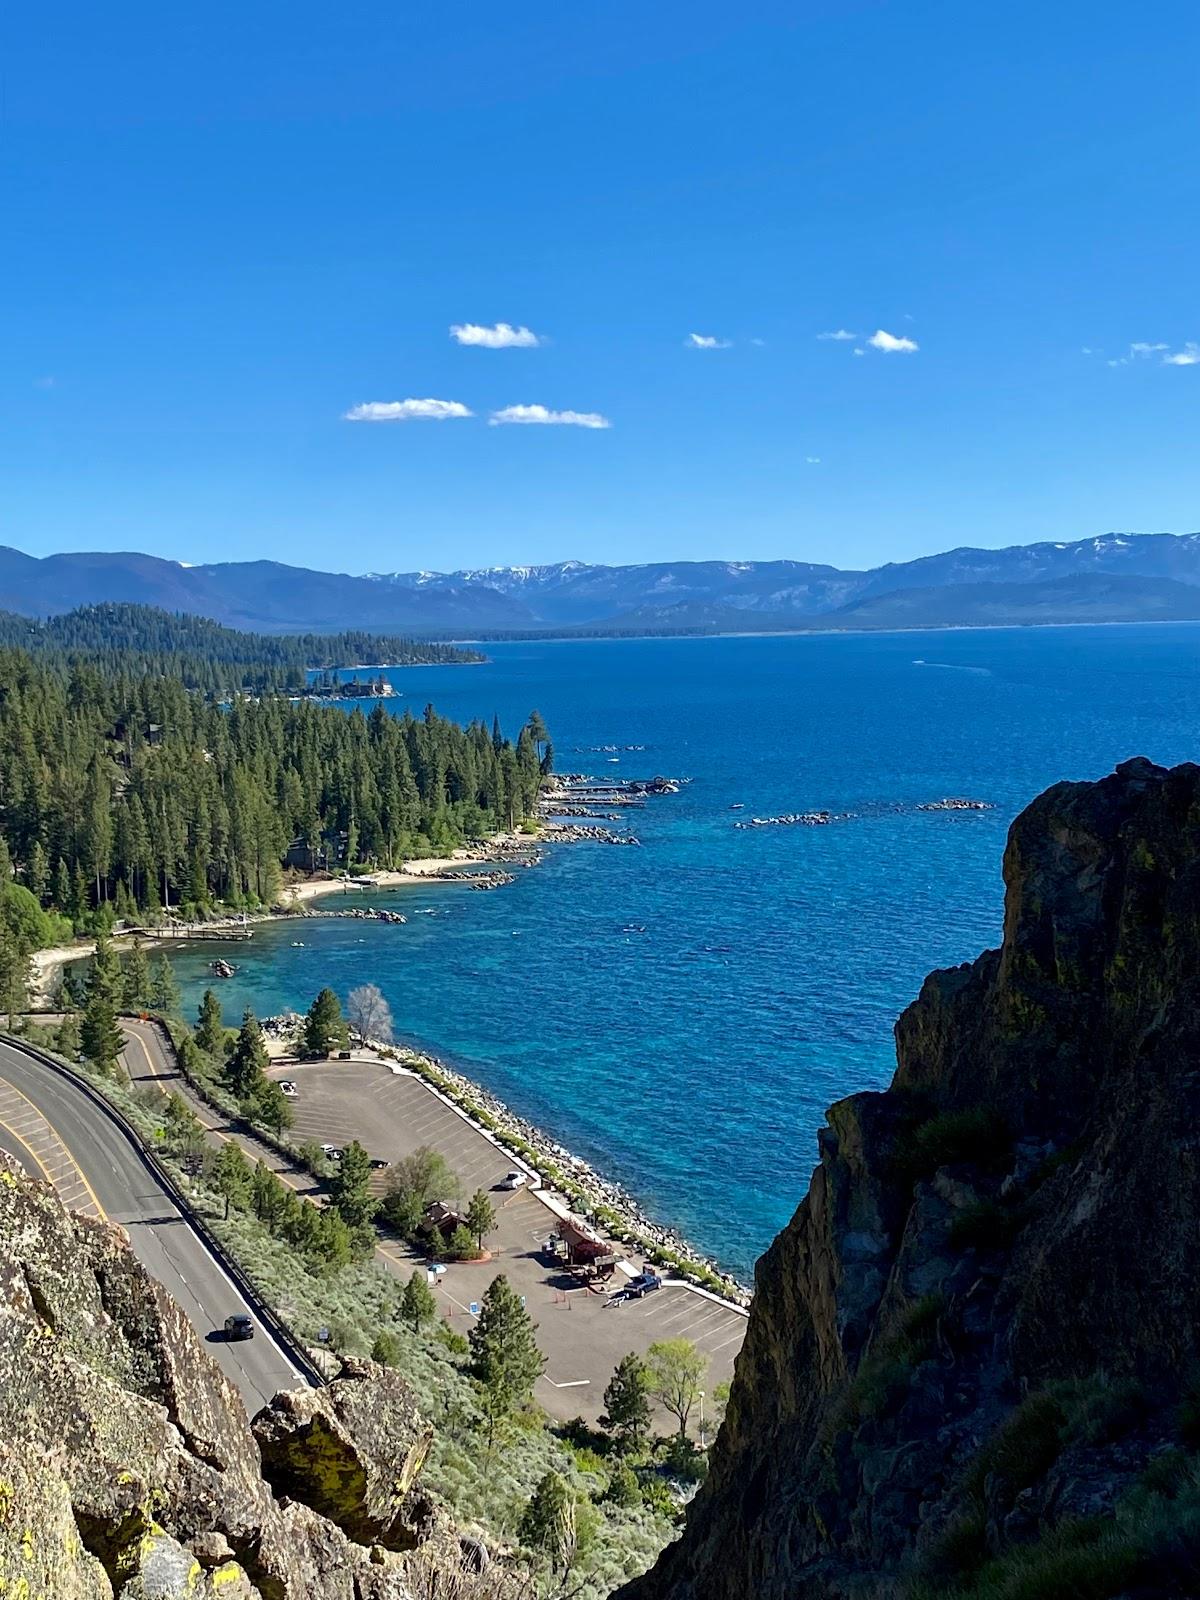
x=47 y=964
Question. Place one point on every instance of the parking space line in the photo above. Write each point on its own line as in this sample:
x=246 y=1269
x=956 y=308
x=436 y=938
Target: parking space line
x=17 y=1105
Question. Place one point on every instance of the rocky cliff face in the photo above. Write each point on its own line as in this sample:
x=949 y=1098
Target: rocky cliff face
x=128 y=1467
x=970 y=1366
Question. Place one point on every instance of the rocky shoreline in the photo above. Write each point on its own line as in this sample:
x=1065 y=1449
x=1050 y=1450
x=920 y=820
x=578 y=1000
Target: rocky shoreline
x=605 y=1203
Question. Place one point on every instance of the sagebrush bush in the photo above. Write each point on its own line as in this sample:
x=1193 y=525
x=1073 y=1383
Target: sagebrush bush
x=358 y=1306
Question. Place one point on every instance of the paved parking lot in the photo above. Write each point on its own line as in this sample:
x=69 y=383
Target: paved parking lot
x=582 y=1337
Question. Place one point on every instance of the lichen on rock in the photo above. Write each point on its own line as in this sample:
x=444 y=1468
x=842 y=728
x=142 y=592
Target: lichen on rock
x=128 y=1467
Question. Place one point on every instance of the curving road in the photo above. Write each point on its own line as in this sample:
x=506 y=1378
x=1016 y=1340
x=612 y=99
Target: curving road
x=61 y=1129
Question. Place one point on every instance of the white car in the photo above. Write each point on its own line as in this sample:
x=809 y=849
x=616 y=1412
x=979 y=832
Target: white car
x=289 y=1088
x=332 y=1152
x=512 y=1180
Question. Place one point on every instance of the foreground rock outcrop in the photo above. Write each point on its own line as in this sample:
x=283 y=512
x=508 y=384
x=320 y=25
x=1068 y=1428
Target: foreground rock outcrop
x=128 y=1467
x=971 y=1361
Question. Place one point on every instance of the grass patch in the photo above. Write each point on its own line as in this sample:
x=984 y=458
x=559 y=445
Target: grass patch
x=978 y=1136
x=986 y=1225
x=1024 y=1447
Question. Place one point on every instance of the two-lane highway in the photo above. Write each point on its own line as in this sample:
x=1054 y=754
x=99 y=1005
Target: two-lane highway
x=127 y=1190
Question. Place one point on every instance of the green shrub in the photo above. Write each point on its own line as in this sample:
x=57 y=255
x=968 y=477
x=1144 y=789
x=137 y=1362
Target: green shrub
x=916 y=1334
x=623 y=1487
x=1100 y=1409
x=1024 y=1447
x=387 y=1349
x=984 y=1226
x=978 y=1136
x=657 y=1496
x=960 y=1548
x=1189 y=1411
x=1078 y=1560
x=454 y=1341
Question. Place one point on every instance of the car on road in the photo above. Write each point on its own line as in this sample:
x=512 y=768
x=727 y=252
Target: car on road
x=512 y=1180
x=378 y=1163
x=289 y=1089
x=239 y=1327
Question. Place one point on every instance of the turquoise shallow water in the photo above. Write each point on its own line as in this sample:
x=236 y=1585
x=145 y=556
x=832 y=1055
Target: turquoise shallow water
x=695 y=1060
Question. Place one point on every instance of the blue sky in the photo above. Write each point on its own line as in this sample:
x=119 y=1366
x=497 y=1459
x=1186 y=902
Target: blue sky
x=230 y=225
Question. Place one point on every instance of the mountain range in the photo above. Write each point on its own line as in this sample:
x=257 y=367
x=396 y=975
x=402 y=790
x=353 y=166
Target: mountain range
x=1116 y=577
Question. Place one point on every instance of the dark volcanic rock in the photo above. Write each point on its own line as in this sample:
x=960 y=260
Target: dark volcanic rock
x=979 y=1322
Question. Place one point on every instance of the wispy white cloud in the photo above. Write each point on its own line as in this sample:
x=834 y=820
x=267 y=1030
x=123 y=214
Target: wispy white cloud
x=842 y=335
x=43 y=383
x=892 y=344
x=501 y=336
x=707 y=341
x=407 y=411
x=813 y=461
x=543 y=416
x=1145 y=350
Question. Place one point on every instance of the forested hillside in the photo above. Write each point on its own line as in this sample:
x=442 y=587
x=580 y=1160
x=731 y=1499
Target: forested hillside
x=120 y=793
x=205 y=655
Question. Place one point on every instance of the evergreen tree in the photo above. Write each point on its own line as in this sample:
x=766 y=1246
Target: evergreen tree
x=38 y=872
x=481 y=1217
x=100 y=1038
x=210 y=1031
x=418 y=1304
x=267 y=1195
x=164 y=989
x=505 y=1359
x=232 y=1176
x=135 y=979
x=350 y=1187
x=104 y=977
x=247 y=1066
x=14 y=976
x=67 y=1040
x=627 y=1404
x=60 y=887
x=461 y=1246
x=324 y=1026
x=271 y=1107
x=548 y=1525
x=386 y=1349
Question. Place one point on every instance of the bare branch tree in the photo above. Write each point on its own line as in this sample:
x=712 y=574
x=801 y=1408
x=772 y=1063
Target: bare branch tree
x=369 y=1013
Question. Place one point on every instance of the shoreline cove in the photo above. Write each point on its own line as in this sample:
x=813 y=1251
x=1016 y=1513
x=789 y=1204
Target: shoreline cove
x=603 y=1201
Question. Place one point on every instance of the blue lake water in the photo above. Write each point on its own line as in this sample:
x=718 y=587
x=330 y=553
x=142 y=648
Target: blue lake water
x=694 y=1061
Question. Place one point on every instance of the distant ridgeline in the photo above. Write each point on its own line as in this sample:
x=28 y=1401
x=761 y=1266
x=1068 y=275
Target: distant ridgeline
x=123 y=790
x=136 y=639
